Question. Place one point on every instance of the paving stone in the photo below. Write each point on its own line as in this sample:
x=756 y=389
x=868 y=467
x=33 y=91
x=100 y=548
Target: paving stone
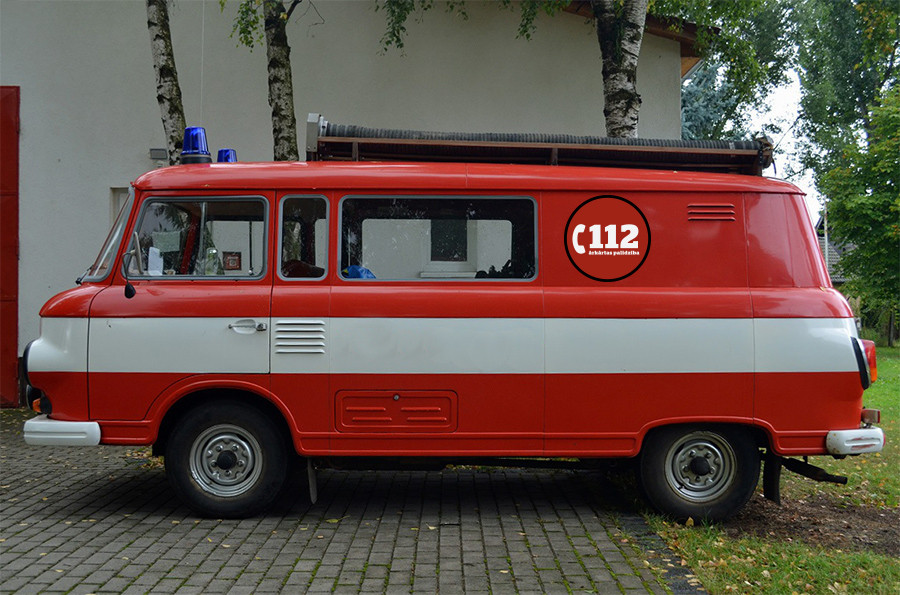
x=106 y=524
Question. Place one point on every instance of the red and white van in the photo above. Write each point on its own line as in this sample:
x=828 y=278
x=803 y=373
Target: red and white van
x=240 y=313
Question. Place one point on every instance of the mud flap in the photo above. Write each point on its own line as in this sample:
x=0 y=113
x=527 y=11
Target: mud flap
x=311 y=477
x=772 y=477
x=772 y=474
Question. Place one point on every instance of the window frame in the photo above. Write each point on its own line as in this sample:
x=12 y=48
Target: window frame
x=535 y=229
x=279 y=251
x=154 y=199
x=113 y=242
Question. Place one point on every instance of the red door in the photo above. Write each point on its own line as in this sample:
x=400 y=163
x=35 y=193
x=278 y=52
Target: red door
x=9 y=245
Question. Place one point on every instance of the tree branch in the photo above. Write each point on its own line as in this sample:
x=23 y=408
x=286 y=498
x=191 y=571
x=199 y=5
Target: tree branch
x=291 y=8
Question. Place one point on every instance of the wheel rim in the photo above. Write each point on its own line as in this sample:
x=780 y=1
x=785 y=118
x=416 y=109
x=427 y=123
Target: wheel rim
x=226 y=460
x=700 y=466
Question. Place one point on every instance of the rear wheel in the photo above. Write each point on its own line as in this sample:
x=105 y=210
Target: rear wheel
x=227 y=459
x=702 y=473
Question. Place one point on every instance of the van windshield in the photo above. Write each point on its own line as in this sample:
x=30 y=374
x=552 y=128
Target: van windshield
x=100 y=269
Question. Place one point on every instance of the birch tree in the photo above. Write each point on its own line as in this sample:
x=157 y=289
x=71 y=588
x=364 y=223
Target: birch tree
x=267 y=19
x=620 y=29
x=168 y=91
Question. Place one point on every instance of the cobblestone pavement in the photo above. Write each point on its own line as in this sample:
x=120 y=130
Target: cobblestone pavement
x=91 y=520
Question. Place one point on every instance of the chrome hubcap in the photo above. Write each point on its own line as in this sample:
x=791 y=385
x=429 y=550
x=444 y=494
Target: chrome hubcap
x=700 y=466
x=225 y=460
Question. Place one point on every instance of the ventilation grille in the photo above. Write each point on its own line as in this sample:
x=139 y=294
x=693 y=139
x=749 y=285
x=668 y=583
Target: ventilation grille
x=300 y=336
x=711 y=212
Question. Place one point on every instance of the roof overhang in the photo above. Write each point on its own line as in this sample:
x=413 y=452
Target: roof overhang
x=681 y=31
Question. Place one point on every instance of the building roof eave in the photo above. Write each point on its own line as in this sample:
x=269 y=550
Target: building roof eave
x=679 y=30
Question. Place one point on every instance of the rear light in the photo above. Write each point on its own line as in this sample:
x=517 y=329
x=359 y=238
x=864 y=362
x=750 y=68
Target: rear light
x=871 y=416
x=863 y=361
x=869 y=347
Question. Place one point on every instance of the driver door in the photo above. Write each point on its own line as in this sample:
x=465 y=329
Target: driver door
x=200 y=270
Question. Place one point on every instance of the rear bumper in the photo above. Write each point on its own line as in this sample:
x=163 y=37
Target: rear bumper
x=854 y=442
x=43 y=431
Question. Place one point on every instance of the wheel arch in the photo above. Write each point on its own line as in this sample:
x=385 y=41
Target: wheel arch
x=208 y=396
x=759 y=434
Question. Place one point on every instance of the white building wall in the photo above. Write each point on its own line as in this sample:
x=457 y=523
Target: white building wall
x=89 y=113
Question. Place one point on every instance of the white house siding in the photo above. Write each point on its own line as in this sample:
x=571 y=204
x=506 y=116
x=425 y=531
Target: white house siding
x=89 y=113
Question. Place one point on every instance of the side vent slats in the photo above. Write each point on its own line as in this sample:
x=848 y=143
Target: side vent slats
x=300 y=336
x=711 y=212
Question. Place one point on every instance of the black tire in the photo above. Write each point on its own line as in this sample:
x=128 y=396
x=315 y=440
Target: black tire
x=227 y=460
x=704 y=473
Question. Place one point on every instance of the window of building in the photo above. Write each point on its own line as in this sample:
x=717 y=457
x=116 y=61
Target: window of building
x=200 y=237
x=449 y=240
x=400 y=238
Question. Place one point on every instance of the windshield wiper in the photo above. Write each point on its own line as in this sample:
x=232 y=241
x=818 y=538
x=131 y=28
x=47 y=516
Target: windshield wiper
x=79 y=279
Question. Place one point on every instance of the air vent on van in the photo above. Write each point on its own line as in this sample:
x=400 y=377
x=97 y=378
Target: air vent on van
x=299 y=336
x=711 y=212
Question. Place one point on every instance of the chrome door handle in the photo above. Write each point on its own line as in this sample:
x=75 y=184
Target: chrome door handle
x=248 y=326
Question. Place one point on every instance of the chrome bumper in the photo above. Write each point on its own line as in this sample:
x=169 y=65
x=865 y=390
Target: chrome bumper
x=43 y=431
x=854 y=442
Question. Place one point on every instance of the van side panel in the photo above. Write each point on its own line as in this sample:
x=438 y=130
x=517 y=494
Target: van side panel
x=671 y=343
x=469 y=356
x=783 y=250
x=299 y=347
x=806 y=256
x=696 y=241
x=807 y=379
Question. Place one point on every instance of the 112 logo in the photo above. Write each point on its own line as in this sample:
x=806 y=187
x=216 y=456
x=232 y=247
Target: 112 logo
x=607 y=238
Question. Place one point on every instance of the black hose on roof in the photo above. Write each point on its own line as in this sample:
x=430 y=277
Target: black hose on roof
x=330 y=141
x=352 y=130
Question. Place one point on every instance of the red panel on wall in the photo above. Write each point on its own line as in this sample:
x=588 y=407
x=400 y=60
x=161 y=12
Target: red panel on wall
x=9 y=245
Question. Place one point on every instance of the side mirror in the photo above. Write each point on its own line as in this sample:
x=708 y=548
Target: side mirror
x=126 y=263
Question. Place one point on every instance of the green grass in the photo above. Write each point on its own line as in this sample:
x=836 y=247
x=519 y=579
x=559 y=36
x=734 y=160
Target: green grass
x=772 y=565
x=756 y=565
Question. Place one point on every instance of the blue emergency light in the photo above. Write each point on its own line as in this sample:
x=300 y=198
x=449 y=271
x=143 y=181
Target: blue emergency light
x=226 y=156
x=194 y=148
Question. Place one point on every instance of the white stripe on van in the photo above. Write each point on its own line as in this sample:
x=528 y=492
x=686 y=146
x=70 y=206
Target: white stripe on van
x=62 y=346
x=456 y=346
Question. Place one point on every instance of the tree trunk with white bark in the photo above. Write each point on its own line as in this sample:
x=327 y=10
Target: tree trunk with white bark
x=620 y=29
x=168 y=91
x=281 y=87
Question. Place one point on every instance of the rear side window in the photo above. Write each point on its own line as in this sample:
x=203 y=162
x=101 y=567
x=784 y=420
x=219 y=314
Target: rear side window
x=304 y=237
x=438 y=238
x=200 y=237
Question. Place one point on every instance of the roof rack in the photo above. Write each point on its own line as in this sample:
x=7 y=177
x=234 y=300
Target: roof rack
x=326 y=141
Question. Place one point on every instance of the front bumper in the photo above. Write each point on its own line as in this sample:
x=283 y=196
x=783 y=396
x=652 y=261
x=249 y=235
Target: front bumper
x=854 y=442
x=43 y=431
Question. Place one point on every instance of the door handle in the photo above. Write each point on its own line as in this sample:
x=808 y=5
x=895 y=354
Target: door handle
x=247 y=326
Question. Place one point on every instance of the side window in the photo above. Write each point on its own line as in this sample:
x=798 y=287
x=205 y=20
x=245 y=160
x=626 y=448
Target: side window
x=200 y=238
x=400 y=238
x=304 y=237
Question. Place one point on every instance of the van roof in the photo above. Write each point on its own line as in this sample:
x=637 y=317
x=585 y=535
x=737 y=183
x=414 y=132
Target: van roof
x=373 y=175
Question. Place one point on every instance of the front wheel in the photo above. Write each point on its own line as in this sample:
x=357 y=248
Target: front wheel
x=702 y=473
x=227 y=460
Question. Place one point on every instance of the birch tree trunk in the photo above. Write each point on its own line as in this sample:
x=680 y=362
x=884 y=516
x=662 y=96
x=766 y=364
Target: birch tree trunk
x=168 y=91
x=281 y=87
x=620 y=29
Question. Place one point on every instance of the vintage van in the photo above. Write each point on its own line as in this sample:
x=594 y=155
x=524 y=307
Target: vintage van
x=242 y=313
